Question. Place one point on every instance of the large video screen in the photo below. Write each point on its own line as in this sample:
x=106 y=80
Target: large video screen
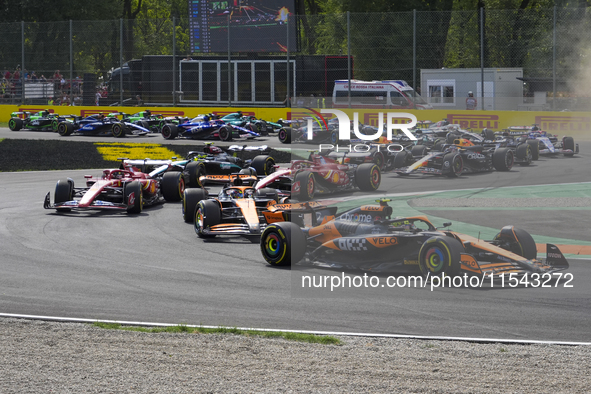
x=247 y=25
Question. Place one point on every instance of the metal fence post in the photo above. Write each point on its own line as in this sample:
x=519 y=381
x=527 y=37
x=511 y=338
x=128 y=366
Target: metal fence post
x=482 y=58
x=229 y=67
x=287 y=103
x=22 y=73
x=120 y=62
x=414 y=49
x=554 y=61
x=71 y=65
x=174 y=87
x=349 y=55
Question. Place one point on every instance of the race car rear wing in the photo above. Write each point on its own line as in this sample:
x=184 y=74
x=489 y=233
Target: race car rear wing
x=234 y=179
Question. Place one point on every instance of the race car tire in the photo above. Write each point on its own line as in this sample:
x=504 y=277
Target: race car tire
x=194 y=170
x=191 y=198
x=64 y=190
x=419 y=150
x=118 y=130
x=517 y=241
x=568 y=143
x=170 y=131
x=523 y=154
x=455 y=165
x=334 y=137
x=284 y=135
x=379 y=160
x=263 y=164
x=133 y=197
x=307 y=184
x=54 y=125
x=401 y=159
x=440 y=255
x=65 y=129
x=225 y=133
x=267 y=192
x=450 y=137
x=283 y=243
x=208 y=213
x=438 y=145
x=15 y=124
x=503 y=159
x=368 y=177
x=488 y=135
x=172 y=186
x=535 y=149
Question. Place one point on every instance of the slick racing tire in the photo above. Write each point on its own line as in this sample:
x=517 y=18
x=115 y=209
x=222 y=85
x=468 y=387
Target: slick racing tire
x=193 y=171
x=453 y=165
x=15 y=124
x=535 y=149
x=503 y=159
x=440 y=255
x=264 y=165
x=401 y=159
x=267 y=192
x=419 y=150
x=380 y=160
x=207 y=214
x=64 y=191
x=283 y=243
x=65 y=128
x=523 y=154
x=334 y=137
x=172 y=186
x=488 y=135
x=304 y=186
x=284 y=135
x=368 y=177
x=517 y=241
x=170 y=131
x=54 y=125
x=118 y=130
x=225 y=133
x=438 y=145
x=133 y=197
x=450 y=137
x=191 y=198
x=568 y=143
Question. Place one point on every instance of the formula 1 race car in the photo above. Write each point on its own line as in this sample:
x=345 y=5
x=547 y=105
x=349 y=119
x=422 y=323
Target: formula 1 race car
x=41 y=121
x=298 y=132
x=323 y=175
x=368 y=238
x=100 y=124
x=117 y=189
x=146 y=119
x=454 y=160
x=239 y=209
x=205 y=127
x=549 y=144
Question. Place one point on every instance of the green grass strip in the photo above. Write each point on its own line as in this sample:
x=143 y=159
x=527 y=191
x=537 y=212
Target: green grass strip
x=290 y=336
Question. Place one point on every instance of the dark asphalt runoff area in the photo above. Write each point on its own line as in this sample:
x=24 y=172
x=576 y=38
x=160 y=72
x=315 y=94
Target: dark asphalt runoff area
x=153 y=268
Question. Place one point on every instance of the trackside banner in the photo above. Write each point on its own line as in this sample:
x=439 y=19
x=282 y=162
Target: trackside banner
x=571 y=123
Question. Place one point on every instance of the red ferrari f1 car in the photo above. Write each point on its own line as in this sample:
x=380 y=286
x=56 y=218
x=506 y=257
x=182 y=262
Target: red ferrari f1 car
x=117 y=189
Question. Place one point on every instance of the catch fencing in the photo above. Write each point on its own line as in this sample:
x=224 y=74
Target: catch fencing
x=78 y=60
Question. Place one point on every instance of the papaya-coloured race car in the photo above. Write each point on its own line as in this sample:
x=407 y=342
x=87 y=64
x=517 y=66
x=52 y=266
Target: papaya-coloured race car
x=118 y=190
x=369 y=238
x=101 y=124
x=239 y=209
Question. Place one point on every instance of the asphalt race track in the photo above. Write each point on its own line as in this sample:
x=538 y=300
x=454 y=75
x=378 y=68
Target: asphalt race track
x=153 y=268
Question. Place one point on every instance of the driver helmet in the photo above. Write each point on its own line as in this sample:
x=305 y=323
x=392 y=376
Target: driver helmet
x=464 y=142
x=470 y=94
x=235 y=193
x=409 y=227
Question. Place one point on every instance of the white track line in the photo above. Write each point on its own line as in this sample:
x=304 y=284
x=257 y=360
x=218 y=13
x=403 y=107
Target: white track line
x=352 y=334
